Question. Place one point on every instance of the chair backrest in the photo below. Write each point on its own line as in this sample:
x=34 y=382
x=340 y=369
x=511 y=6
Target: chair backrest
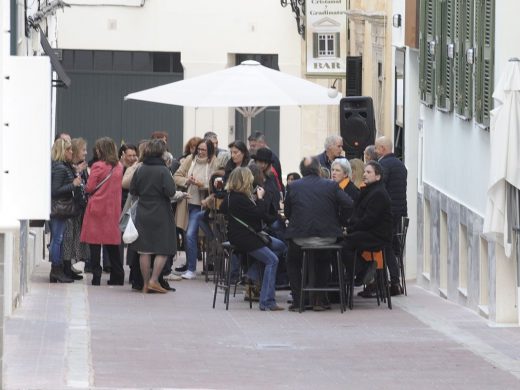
x=403 y=230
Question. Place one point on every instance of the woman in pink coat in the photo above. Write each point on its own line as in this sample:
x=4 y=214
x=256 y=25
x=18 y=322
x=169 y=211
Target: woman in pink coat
x=101 y=220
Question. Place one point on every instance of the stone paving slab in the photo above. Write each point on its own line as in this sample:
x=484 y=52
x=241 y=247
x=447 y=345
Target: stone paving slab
x=80 y=336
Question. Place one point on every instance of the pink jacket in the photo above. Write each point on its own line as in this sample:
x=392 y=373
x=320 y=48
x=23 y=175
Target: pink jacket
x=101 y=220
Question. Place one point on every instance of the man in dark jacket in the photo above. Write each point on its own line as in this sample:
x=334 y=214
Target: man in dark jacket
x=333 y=147
x=312 y=206
x=370 y=225
x=394 y=177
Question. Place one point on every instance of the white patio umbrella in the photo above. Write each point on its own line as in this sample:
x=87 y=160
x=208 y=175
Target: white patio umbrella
x=503 y=193
x=505 y=155
x=249 y=87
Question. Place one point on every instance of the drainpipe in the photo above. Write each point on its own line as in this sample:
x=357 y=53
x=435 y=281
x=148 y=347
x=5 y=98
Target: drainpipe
x=14 y=27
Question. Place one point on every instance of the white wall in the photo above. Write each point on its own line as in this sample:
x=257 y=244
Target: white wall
x=456 y=158
x=205 y=32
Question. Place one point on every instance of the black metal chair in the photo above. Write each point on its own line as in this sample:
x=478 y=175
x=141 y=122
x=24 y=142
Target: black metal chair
x=308 y=259
x=381 y=278
x=223 y=272
x=401 y=238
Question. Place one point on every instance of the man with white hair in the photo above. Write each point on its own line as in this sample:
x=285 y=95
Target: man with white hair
x=333 y=147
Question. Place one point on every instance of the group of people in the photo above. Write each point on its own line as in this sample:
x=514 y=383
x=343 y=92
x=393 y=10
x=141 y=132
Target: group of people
x=330 y=200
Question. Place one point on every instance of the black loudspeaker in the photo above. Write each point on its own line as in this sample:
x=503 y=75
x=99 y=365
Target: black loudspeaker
x=357 y=125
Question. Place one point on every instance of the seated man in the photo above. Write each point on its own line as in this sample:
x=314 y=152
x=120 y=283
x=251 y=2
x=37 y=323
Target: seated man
x=312 y=207
x=370 y=224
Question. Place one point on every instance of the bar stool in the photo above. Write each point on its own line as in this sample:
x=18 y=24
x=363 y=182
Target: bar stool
x=308 y=252
x=377 y=255
x=223 y=272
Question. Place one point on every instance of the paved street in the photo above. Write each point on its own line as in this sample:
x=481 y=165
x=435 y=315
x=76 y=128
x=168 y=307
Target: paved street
x=79 y=336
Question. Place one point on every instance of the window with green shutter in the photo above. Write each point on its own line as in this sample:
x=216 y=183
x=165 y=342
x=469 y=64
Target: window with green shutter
x=427 y=49
x=484 y=74
x=445 y=27
x=466 y=57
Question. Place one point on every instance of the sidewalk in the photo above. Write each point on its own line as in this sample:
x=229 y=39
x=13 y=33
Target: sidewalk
x=79 y=336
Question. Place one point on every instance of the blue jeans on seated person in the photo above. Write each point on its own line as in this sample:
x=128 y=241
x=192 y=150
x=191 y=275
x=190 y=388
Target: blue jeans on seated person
x=57 y=231
x=270 y=259
x=278 y=247
x=195 y=221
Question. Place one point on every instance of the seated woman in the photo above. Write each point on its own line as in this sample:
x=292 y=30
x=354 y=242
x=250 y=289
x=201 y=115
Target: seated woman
x=342 y=174
x=242 y=210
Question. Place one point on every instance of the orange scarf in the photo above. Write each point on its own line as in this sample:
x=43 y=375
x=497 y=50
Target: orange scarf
x=344 y=183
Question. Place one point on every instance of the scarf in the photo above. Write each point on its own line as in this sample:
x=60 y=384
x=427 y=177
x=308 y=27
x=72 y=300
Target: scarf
x=344 y=183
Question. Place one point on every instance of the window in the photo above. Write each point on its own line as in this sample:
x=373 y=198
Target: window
x=456 y=49
x=427 y=52
x=484 y=66
x=465 y=57
x=326 y=45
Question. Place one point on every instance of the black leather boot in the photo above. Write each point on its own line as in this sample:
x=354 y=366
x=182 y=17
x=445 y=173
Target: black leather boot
x=67 y=270
x=58 y=276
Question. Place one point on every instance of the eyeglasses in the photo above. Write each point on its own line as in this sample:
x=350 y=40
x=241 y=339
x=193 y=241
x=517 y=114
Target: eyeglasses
x=201 y=150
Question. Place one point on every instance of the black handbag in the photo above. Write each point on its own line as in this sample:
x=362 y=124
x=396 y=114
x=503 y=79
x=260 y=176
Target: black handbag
x=63 y=208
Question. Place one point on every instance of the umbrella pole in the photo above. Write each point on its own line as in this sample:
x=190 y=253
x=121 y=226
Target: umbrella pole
x=516 y=229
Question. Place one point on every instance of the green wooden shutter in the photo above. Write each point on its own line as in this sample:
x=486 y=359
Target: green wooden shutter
x=484 y=75
x=464 y=101
x=427 y=52
x=445 y=55
x=315 y=45
x=440 y=55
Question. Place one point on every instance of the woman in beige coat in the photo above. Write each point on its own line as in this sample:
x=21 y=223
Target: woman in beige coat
x=194 y=175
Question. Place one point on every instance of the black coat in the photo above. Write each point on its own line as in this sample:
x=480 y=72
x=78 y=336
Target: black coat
x=394 y=177
x=239 y=205
x=372 y=212
x=352 y=191
x=312 y=206
x=154 y=185
x=62 y=176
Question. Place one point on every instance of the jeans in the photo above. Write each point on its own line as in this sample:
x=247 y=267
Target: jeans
x=270 y=259
x=195 y=221
x=57 y=230
x=278 y=247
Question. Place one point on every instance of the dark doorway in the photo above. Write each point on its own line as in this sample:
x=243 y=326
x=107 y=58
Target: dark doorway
x=268 y=121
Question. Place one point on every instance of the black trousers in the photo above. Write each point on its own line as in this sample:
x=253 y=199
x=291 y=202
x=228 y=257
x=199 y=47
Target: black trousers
x=117 y=274
x=321 y=270
x=362 y=240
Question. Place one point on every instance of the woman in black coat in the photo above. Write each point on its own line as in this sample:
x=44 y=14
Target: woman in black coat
x=154 y=185
x=242 y=210
x=341 y=173
x=63 y=184
x=239 y=157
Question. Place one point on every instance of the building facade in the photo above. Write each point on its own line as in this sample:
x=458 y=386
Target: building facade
x=452 y=62
x=206 y=36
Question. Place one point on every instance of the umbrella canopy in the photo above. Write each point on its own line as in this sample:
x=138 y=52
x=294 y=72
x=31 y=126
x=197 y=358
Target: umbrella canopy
x=505 y=157
x=243 y=86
